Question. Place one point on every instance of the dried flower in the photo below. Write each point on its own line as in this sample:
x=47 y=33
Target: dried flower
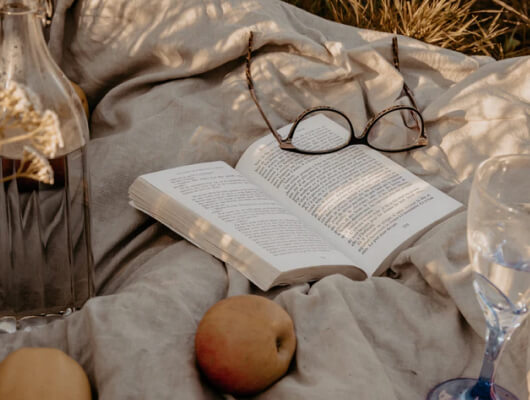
x=21 y=117
x=20 y=114
x=17 y=109
x=47 y=137
x=33 y=166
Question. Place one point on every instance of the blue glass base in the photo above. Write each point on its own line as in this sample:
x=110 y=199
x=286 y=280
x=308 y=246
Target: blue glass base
x=461 y=389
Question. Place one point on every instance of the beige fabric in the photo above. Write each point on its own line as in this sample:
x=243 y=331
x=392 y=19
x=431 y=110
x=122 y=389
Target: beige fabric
x=165 y=80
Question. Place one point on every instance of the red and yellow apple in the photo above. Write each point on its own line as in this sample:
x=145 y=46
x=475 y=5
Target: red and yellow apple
x=244 y=344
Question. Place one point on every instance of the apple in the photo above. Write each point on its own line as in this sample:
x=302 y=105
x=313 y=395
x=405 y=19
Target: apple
x=244 y=344
x=32 y=373
x=82 y=96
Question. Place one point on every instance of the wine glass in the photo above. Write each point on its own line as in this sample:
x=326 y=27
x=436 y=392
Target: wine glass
x=498 y=232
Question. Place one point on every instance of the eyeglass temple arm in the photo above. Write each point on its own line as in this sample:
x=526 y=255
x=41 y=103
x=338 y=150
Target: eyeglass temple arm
x=406 y=89
x=250 y=84
x=395 y=55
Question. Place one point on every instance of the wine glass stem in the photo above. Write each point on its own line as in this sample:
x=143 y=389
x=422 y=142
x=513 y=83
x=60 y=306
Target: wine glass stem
x=495 y=339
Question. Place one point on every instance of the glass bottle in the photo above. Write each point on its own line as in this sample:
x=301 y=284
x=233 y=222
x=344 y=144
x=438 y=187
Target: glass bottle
x=46 y=267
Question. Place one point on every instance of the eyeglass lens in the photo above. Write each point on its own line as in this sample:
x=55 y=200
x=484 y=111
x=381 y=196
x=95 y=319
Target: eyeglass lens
x=396 y=130
x=311 y=136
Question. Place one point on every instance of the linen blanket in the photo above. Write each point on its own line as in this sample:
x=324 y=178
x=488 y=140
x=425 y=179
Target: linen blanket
x=165 y=81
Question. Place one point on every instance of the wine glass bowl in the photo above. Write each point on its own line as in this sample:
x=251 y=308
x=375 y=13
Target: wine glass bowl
x=498 y=233
x=499 y=239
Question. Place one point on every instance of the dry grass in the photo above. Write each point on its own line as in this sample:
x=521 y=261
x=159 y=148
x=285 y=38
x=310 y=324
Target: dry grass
x=498 y=28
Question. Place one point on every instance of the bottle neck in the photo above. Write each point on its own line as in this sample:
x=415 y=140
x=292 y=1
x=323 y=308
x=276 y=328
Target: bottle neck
x=21 y=36
x=41 y=8
x=28 y=14
x=21 y=6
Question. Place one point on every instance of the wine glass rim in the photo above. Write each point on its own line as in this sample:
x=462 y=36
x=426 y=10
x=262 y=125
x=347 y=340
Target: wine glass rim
x=481 y=187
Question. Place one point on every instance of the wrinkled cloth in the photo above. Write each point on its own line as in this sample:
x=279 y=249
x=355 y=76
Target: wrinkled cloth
x=165 y=82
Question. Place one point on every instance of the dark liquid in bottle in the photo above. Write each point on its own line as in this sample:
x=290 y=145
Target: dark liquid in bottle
x=45 y=254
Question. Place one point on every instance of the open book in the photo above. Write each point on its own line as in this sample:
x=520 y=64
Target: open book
x=281 y=217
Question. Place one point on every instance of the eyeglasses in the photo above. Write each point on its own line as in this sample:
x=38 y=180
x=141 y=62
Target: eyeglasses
x=394 y=129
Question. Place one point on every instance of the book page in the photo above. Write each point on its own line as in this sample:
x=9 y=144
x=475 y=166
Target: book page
x=360 y=200
x=226 y=199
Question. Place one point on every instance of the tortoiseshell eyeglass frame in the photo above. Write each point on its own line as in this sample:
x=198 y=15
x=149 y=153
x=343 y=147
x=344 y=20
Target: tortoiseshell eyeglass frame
x=287 y=144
